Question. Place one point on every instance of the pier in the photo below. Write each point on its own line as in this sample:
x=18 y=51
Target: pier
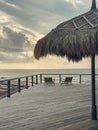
x=48 y=107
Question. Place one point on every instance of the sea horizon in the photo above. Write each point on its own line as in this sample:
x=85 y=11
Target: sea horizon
x=12 y=73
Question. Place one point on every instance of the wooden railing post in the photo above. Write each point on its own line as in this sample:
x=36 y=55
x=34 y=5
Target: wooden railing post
x=8 y=90
x=40 y=78
x=26 y=82
x=32 y=81
x=36 y=79
x=59 y=78
x=19 y=85
x=80 y=78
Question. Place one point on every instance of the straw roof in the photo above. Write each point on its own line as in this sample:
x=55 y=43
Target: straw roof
x=75 y=39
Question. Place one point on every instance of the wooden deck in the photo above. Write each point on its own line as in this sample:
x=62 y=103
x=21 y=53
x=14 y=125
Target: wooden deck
x=49 y=108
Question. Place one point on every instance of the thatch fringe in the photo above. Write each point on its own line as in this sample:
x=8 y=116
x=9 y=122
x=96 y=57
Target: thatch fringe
x=74 y=44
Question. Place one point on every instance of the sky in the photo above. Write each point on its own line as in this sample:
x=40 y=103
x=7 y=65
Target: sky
x=24 y=22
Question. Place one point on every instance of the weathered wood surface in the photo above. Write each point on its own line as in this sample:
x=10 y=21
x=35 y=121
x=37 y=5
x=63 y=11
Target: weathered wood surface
x=49 y=108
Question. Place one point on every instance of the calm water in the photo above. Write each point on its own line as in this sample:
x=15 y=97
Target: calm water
x=19 y=73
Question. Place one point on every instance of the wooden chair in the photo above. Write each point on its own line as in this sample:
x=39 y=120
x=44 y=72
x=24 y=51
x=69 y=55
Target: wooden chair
x=68 y=80
x=49 y=80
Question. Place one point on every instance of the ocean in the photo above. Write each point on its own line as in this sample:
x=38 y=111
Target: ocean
x=14 y=73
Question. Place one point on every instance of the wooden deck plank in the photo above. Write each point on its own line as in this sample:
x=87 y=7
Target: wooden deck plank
x=48 y=108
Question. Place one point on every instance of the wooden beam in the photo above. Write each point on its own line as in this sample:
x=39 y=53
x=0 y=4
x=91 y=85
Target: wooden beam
x=75 y=24
x=88 y=21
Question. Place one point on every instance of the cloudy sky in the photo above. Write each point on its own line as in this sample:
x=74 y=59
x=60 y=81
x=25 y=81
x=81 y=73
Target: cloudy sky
x=23 y=22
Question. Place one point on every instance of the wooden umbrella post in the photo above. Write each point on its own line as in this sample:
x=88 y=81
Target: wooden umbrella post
x=94 y=107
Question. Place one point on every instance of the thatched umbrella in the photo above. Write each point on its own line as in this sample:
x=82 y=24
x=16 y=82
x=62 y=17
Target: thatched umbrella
x=75 y=39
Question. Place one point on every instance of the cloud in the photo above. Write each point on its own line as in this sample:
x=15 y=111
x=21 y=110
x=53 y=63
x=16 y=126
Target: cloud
x=14 y=41
x=75 y=2
x=41 y=15
x=15 y=46
x=15 y=58
x=36 y=15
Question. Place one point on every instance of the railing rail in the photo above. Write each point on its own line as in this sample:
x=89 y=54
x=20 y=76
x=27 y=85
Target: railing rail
x=17 y=84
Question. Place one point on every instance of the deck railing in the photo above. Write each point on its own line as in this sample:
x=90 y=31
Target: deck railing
x=10 y=86
x=77 y=78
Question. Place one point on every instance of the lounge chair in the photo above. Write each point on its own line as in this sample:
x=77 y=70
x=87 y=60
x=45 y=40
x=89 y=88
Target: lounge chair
x=68 y=80
x=49 y=80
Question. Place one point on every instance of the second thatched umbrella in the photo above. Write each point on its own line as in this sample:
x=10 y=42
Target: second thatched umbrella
x=75 y=39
